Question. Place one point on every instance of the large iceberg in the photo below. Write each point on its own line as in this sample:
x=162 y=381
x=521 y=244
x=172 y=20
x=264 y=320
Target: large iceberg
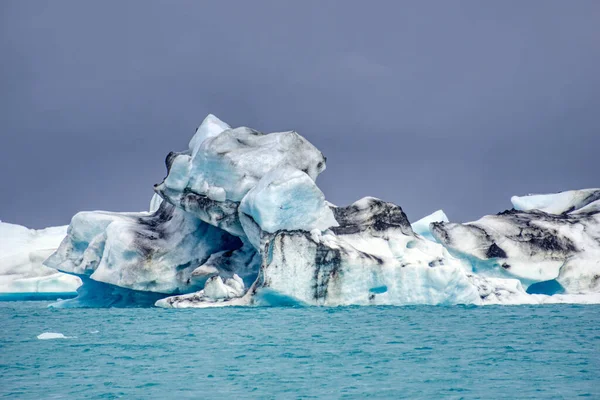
x=22 y=252
x=240 y=220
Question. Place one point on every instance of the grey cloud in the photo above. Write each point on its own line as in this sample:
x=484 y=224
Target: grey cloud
x=454 y=105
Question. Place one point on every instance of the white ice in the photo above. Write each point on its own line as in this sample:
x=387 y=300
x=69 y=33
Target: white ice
x=210 y=127
x=561 y=243
x=226 y=163
x=138 y=251
x=22 y=252
x=422 y=226
x=53 y=335
x=556 y=203
x=287 y=199
x=155 y=203
x=217 y=292
x=369 y=271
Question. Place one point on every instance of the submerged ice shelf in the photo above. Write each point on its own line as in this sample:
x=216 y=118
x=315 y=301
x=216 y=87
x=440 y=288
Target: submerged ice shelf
x=240 y=220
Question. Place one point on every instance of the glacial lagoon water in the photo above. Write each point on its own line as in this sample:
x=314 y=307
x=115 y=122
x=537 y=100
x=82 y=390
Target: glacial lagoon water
x=355 y=352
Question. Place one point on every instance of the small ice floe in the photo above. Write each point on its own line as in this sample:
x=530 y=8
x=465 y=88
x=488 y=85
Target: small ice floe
x=52 y=335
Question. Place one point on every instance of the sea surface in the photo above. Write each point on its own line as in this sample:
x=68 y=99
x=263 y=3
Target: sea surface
x=354 y=352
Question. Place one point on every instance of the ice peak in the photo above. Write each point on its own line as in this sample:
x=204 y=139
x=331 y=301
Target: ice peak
x=211 y=126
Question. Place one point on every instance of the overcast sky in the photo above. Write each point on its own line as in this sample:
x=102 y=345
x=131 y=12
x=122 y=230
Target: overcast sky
x=429 y=104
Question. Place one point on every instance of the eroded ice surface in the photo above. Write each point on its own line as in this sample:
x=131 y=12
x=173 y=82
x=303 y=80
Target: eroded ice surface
x=371 y=257
x=139 y=251
x=240 y=220
x=22 y=252
x=549 y=253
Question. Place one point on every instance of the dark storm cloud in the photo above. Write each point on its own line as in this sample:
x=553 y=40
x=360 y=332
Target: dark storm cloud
x=429 y=104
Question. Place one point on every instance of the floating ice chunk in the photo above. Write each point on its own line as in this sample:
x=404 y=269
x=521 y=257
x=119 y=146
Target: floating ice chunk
x=216 y=293
x=557 y=203
x=287 y=199
x=53 y=335
x=422 y=226
x=22 y=253
x=198 y=300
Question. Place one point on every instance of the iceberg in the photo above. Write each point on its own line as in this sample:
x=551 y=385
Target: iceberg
x=22 y=273
x=550 y=252
x=239 y=220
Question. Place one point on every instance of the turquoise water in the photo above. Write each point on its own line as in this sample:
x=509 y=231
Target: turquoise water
x=378 y=352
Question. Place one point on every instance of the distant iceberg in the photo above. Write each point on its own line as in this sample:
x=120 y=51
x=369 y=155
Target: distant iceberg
x=240 y=221
x=22 y=274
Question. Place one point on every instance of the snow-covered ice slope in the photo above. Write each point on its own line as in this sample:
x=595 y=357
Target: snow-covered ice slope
x=22 y=252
